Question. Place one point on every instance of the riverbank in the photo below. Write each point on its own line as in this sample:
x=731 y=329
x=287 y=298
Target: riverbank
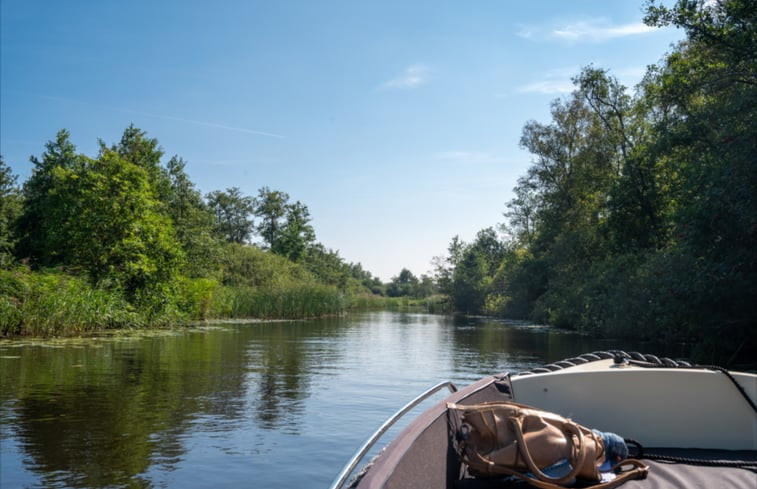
x=53 y=303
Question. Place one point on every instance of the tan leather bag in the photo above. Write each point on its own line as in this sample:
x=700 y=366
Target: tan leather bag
x=503 y=439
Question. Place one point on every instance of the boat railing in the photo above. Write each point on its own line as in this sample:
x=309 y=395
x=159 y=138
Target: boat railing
x=355 y=460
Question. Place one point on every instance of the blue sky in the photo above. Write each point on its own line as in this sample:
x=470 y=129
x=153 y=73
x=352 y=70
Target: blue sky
x=397 y=123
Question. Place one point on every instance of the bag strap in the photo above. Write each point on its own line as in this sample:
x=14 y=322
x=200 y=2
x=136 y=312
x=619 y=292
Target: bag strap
x=639 y=471
x=569 y=429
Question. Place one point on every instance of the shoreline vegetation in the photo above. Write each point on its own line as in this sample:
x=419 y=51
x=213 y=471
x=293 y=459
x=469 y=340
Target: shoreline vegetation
x=54 y=303
x=636 y=219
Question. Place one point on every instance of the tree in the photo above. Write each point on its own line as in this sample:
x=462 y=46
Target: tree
x=562 y=201
x=10 y=209
x=522 y=214
x=144 y=152
x=365 y=278
x=404 y=284
x=426 y=287
x=284 y=226
x=112 y=226
x=271 y=208
x=192 y=219
x=297 y=234
x=635 y=198
x=708 y=89
x=38 y=231
x=232 y=212
x=470 y=282
x=444 y=266
x=491 y=249
x=328 y=266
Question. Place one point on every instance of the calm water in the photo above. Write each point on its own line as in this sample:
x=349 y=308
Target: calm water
x=241 y=405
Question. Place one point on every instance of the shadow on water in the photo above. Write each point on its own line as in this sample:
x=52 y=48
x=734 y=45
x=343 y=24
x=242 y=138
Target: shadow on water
x=482 y=346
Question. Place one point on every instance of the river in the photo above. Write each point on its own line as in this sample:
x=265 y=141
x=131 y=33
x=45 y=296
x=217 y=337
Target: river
x=258 y=405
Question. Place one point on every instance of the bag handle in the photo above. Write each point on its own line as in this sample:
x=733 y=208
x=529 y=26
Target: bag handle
x=639 y=471
x=570 y=429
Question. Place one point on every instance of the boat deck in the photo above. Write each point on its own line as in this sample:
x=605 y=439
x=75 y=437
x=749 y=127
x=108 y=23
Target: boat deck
x=665 y=475
x=659 y=407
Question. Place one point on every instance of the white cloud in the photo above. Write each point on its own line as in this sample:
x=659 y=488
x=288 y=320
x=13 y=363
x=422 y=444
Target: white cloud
x=595 y=31
x=555 y=81
x=591 y=30
x=558 y=81
x=413 y=77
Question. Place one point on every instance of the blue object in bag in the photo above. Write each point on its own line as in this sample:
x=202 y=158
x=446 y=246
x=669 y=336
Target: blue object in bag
x=615 y=450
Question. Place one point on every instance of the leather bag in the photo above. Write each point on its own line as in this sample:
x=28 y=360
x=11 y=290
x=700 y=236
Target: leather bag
x=509 y=439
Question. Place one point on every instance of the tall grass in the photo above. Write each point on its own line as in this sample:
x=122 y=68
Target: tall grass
x=286 y=302
x=435 y=304
x=54 y=303
x=51 y=303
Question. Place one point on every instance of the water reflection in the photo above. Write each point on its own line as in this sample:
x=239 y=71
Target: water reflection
x=223 y=405
x=101 y=414
x=96 y=416
x=281 y=363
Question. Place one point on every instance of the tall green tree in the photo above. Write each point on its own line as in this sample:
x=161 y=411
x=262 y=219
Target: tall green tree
x=572 y=169
x=708 y=89
x=297 y=234
x=328 y=266
x=491 y=248
x=10 y=209
x=271 y=209
x=444 y=266
x=112 y=226
x=563 y=198
x=635 y=197
x=145 y=152
x=192 y=219
x=404 y=284
x=522 y=214
x=366 y=279
x=233 y=214
x=38 y=231
x=470 y=282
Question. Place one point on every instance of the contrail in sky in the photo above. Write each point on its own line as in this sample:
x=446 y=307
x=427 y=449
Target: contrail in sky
x=201 y=123
x=168 y=117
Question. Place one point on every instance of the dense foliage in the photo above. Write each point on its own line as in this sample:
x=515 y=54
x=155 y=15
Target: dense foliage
x=123 y=240
x=10 y=208
x=638 y=215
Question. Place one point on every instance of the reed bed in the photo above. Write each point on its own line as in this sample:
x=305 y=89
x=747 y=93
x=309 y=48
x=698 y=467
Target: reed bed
x=291 y=302
x=52 y=304
x=435 y=304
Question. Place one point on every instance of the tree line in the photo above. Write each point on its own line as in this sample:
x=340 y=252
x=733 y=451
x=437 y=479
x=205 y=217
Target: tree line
x=132 y=234
x=638 y=215
x=140 y=232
